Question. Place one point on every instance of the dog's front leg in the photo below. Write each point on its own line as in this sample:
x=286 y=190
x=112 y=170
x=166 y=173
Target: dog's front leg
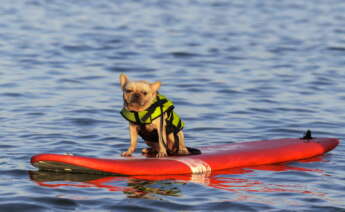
x=162 y=137
x=133 y=133
x=182 y=149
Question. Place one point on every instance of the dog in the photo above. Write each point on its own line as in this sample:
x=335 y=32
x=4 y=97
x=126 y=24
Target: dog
x=151 y=116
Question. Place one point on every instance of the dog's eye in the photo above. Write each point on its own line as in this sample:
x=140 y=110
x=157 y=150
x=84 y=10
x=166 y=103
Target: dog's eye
x=128 y=91
x=144 y=93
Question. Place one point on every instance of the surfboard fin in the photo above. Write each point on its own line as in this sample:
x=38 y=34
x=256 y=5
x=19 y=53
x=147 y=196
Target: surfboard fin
x=307 y=135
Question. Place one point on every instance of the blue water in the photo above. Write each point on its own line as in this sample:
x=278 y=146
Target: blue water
x=236 y=70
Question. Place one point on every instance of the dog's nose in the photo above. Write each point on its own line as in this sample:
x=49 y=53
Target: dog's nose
x=136 y=96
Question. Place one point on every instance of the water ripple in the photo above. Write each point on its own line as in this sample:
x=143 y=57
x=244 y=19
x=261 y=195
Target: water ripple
x=22 y=207
x=236 y=71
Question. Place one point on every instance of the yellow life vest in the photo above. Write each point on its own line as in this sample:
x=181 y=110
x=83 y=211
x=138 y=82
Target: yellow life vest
x=159 y=106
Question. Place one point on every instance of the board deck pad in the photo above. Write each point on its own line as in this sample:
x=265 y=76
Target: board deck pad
x=213 y=158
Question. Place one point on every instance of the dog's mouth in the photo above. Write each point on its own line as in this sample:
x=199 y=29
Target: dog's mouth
x=136 y=105
x=134 y=100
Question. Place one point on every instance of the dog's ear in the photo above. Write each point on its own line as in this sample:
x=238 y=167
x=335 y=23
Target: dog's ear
x=123 y=80
x=155 y=86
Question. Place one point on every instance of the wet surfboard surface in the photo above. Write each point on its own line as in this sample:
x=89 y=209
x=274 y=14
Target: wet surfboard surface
x=213 y=158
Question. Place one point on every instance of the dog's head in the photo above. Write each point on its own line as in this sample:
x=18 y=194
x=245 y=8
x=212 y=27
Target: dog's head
x=138 y=95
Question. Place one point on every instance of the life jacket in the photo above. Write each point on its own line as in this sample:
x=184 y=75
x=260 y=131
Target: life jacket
x=161 y=105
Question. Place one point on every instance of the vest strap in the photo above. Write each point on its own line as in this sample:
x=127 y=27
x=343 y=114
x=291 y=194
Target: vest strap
x=136 y=116
x=152 y=109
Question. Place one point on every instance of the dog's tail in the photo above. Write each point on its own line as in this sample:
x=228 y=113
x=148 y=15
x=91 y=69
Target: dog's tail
x=193 y=151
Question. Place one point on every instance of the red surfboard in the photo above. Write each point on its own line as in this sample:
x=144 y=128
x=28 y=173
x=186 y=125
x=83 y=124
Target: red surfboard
x=213 y=158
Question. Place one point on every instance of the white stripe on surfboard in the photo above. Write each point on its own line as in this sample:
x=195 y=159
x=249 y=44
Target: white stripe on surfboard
x=196 y=166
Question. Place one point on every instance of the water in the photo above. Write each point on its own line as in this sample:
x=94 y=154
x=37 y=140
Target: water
x=236 y=70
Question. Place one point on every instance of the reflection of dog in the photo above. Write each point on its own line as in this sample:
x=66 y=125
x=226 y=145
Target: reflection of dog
x=151 y=116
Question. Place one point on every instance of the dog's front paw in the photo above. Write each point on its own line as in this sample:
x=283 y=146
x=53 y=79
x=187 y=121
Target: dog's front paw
x=183 y=151
x=161 y=154
x=126 y=154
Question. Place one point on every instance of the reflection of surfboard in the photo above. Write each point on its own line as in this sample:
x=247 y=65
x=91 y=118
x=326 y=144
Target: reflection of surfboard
x=212 y=158
x=141 y=185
